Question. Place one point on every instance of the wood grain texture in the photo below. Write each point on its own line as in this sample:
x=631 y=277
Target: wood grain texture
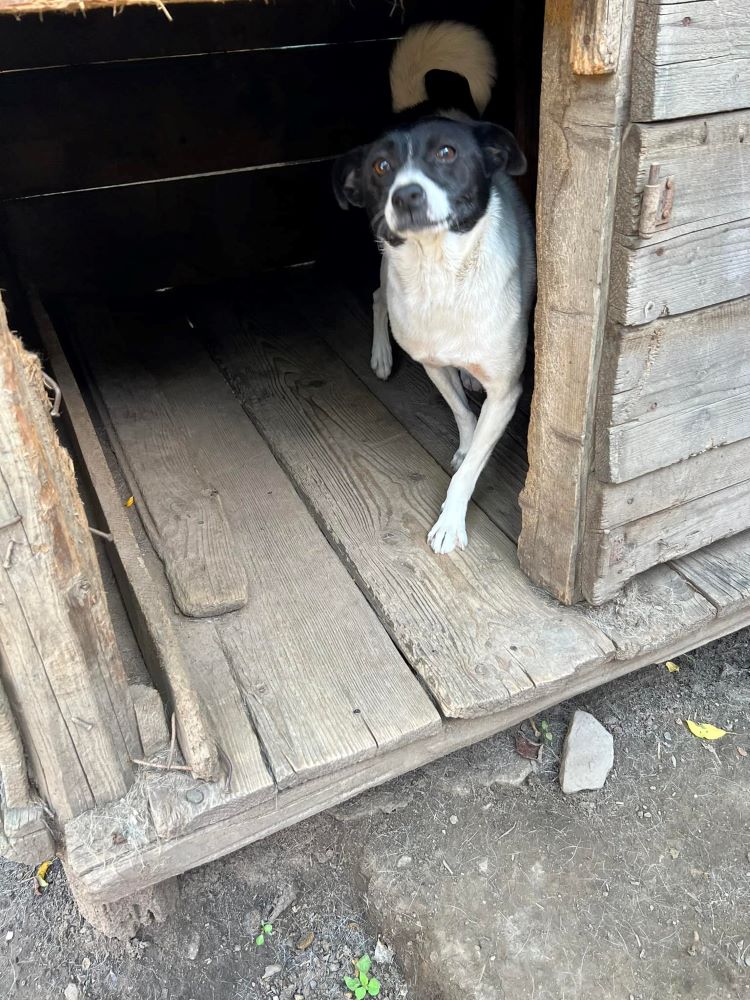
x=157 y=235
x=61 y=666
x=154 y=628
x=672 y=390
x=709 y=158
x=620 y=503
x=181 y=508
x=27 y=837
x=581 y=121
x=112 y=871
x=299 y=660
x=618 y=554
x=595 y=37
x=411 y=397
x=721 y=573
x=690 y=58
x=471 y=625
x=194 y=115
x=669 y=275
x=145 y=33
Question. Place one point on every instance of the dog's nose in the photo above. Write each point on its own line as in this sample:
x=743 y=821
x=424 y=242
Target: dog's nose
x=410 y=196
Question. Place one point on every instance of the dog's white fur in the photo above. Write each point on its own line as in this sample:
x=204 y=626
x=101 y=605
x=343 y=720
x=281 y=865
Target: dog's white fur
x=462 y=301
x=441 y=45
x=459 y=303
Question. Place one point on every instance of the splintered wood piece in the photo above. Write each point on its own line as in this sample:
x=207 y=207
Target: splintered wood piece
x=61 y=666
x=595 y=36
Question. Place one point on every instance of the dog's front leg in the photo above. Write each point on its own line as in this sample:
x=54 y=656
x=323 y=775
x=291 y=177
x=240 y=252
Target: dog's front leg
x=449 y=530
x=448 y=382
x=381 y=359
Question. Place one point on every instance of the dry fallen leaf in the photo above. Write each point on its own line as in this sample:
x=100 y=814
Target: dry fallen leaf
x=704 y=730
x=672 y=667
x=304 y=943
x=526 y=748
x=130 y=501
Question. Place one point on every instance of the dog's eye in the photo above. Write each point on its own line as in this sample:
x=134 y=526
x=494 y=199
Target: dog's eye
x=381 y=167
x=446 y=154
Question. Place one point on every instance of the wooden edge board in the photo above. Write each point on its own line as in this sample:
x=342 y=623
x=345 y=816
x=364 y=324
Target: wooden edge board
x=110 y=873
x=721 y=573
x=196 y=739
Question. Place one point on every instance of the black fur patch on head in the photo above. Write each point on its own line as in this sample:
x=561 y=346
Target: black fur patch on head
x=478 y=150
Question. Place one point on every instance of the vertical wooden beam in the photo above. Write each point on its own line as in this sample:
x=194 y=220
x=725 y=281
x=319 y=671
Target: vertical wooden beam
x=580 y=133
x=61 y=666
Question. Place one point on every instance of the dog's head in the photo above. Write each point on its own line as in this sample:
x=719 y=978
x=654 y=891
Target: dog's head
x=432 y=175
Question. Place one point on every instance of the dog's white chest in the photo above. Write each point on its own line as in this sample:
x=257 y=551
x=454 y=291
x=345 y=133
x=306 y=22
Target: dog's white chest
x=443 y=300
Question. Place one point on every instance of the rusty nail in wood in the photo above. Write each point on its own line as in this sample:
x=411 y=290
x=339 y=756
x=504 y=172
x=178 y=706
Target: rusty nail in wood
x=51 y=384
x=106 y=535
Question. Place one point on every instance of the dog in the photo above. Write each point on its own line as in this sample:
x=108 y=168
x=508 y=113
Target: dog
x=458 y=270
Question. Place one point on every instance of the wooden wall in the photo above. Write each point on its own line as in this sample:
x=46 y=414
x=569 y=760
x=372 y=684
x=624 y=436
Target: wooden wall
x=141 y=153
x=672 y=450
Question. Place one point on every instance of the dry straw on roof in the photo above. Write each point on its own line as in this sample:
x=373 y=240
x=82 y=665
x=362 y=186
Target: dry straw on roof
x=18 y=7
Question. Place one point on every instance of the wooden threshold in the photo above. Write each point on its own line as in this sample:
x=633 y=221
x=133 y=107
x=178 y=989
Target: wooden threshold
x=358 y=655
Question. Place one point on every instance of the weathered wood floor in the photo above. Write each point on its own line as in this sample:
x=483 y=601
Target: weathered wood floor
x=282 y=501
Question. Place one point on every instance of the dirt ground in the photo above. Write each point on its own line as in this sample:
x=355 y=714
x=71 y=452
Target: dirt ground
x=482 y=877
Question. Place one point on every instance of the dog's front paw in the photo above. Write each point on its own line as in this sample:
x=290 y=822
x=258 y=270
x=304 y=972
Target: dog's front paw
x=448 y=532
x=381 y=359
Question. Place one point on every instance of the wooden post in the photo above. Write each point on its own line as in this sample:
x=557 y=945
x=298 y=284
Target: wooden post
x=580 y=134
x=60 y=665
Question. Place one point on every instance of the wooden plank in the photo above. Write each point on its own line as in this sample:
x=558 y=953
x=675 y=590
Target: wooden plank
x=110 y=871
x=595 y=37
x=153 y=627
x=701 y=475
x=289 y=647
x=152 y=725
x=709 y=160
x=722 y=573
x=581 y=121
x=690 y=58
x=148 y=236
x=182 y=509
x=223 y=113
x=145 y=33
x=470 y=624
x=668 y=275
x=413 y=400
x=27 y=836
x=60 y=666
x=618 y=554
x=672 y=390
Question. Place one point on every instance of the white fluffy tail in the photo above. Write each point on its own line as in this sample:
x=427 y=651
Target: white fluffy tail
x=445 y=45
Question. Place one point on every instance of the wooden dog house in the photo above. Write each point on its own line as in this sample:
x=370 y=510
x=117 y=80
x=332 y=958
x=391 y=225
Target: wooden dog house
x=246 y=558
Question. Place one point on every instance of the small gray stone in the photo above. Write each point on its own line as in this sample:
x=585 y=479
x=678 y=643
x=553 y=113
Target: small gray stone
x=271 y=971
x=72 y=992
x=193 y=946
x=588 y=754
x=383 y=955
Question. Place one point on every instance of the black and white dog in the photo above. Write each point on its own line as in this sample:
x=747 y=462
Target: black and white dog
x=458 y=269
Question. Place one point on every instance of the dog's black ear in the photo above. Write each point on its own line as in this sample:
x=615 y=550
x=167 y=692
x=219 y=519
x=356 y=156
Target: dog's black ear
x=347 y=179
x=500 y=149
